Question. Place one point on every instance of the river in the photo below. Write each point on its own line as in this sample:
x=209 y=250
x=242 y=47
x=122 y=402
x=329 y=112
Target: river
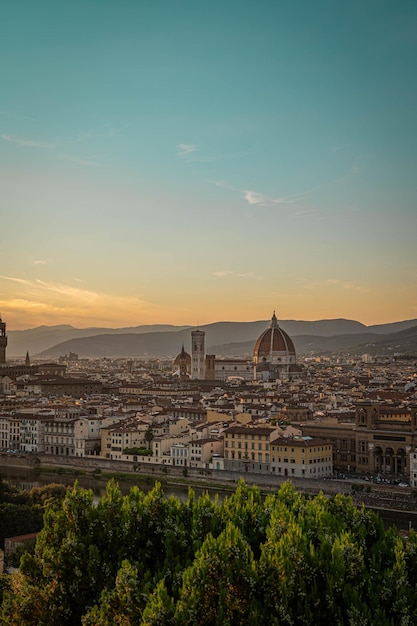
x=26 y=479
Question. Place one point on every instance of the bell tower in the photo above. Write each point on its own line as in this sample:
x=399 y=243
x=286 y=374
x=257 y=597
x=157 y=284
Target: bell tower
x=3 y=342
x=198 y=354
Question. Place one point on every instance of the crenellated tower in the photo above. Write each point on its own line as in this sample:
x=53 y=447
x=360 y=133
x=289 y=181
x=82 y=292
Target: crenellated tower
x=3 y=342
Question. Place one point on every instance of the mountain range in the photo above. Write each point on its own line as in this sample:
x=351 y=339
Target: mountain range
x=225 y=339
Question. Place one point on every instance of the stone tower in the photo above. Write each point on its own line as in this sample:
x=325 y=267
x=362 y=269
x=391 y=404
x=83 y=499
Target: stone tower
x=3 y=342
x=198 y=354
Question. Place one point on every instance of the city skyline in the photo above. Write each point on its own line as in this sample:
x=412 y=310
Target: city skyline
x=185 y=164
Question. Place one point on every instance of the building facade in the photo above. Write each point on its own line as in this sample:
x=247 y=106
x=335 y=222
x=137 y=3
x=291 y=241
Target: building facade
x=247 y=448
x=301 y=457
x=379 y=441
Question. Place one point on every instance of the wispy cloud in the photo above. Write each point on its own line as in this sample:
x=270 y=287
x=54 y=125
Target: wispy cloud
x=222 y=273
x=20 y=281
x=343 y=284
x=184 y=149
x=255 y=197
x=27 y=142
x=89 y=161
x=48 y=302
x=39 y=262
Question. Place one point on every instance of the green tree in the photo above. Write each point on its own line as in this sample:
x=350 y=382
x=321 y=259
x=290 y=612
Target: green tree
x=159 y=610
x=18 y=520
x=219 y=588
x=120 y=606
x=149 y=435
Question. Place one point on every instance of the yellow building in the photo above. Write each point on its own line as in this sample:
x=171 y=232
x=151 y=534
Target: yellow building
x=301 y=457
x=247 y=448
x=129 y=433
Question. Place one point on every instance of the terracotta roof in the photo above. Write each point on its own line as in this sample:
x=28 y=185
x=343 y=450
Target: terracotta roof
x=274 y=339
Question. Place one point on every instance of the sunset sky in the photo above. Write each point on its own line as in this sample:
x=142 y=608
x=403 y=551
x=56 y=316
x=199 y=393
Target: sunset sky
x=184 y=162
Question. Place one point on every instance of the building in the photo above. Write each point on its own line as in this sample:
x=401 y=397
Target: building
x=3 y=342
x=60 y=436
x=301 y=457
x=202 y=451
x=228 y=369
x=32 y=433
x=274 y=355
x=54 y=385
x=247 y=448
x=87 y=436
x=379 y=441
x=182 y=365
x=126 y=434
x=11 y=543
x=198 y=355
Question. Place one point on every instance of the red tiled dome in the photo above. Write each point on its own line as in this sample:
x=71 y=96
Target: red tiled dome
x=183 y=357
x=274 y=339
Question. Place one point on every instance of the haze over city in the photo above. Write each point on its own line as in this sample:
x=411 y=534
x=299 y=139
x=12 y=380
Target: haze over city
x=184 y=163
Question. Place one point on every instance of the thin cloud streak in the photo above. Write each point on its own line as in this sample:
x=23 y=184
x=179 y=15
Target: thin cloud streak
x=346 y=285
x=57 y=300
x=27 y=142
x=184 y=149
x=87 y=161
x=20 y=281
x=222 y=273
x=255 y=197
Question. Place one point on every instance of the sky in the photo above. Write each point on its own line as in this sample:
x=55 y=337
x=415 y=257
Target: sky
x=186 y=162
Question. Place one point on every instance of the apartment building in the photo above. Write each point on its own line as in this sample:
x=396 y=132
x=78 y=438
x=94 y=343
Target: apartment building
x=125 y=434
x=247 y=448
x=301 y=457
x=60 y=436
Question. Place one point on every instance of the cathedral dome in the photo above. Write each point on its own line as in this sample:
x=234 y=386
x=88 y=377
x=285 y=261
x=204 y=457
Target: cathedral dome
x=273 y=342
x=183 y=357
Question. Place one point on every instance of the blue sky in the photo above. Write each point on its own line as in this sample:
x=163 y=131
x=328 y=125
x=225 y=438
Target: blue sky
x=175 y=161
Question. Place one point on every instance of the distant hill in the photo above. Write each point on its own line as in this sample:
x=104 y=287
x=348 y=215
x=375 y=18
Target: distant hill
x=36 y=340
x=402 y=342
x=238 y=338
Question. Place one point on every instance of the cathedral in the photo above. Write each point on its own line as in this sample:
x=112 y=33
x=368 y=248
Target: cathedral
x=274 y=355
x=274 y=358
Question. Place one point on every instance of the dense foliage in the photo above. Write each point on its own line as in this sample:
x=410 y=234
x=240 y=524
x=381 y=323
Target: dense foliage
x=21 y=512
x=138 y=451
x=147 y=560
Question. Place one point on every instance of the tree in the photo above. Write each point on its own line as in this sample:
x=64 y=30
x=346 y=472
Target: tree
x=149 y=435
x=218 y=589
x=147 y=560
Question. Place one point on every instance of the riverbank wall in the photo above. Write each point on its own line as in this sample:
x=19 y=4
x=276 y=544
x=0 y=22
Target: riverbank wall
x=375 y=496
